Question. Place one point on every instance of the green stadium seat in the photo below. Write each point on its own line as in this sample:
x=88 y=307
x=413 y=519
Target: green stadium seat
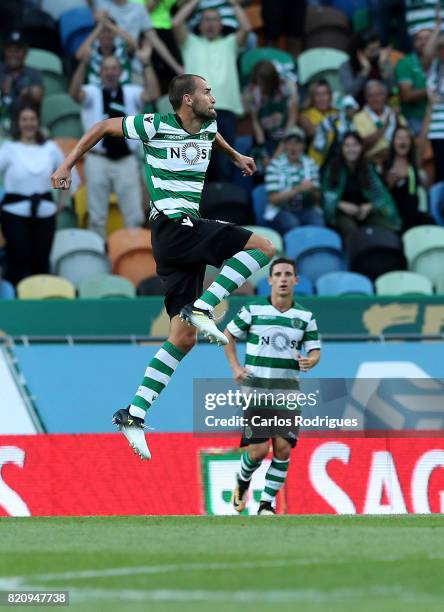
x=78 y=254
x=62 y=116
x=321 y=63
x=361 y=20
x=424 y=249
x=270 y=234
x=403 y=283
x=66 y=219
x=440 y=286
x=106 y=286
x=252 y=57
x=50 y=65
x=421 y=239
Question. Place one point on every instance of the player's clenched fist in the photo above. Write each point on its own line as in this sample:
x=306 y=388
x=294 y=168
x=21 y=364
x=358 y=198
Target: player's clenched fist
x=246 y=165
x=61 y=179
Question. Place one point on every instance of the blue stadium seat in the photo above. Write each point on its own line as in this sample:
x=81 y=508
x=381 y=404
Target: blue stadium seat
x=304 y=286
x=260 y=200
x=349 y=7
x=437 y=202
x=344 y=283
x=7 y=291
x=243 y=144
x=310 y=237
x=56 y=8
x=75 y=25
x=316 y=251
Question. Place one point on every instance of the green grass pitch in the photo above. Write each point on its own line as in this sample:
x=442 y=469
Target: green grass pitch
x=215 y=564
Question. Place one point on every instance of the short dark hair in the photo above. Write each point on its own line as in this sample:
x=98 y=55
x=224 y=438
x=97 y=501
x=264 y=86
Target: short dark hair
x=285 y=260
x=180 y=86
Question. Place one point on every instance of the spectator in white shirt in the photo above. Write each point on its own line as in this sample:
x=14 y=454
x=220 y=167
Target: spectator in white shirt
x=28 y=211
x=112 y=165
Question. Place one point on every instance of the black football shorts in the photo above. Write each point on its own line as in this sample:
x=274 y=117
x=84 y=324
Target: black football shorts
x=182 y=249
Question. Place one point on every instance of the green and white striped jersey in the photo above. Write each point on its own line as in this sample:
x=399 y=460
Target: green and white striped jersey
x=273 y=340
x=175 y=160
x=435 y=82
x=225 y=9
x=421 y=14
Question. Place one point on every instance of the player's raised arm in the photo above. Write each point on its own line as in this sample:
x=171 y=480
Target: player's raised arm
x=245 y=163
x=61 y=179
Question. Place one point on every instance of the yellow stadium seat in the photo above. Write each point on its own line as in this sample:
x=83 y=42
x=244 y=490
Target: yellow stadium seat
x=45 y=286
x=115 y=219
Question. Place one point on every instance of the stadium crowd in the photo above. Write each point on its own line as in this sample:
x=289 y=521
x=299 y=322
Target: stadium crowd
x=340 y=102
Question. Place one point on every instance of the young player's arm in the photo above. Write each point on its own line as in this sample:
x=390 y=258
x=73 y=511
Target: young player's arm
x=312 y=359
x=61 y=179
x=237 y=329
x=312 y=345
x=240 y=373
x=246 y=164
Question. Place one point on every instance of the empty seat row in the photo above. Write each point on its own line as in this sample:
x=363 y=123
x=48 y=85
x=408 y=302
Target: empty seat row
x=79 y=254
x=48 y=286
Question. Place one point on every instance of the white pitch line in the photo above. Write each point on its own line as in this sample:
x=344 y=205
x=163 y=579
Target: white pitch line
x=250 y=596
x=192 y=567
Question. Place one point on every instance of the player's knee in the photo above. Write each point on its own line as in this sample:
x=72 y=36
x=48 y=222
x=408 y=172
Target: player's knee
x=258 y=452
x=185 y=340
x=282 y=454
x=268 y=248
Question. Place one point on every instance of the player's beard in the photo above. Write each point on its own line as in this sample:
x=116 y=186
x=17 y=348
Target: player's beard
x=206 y=114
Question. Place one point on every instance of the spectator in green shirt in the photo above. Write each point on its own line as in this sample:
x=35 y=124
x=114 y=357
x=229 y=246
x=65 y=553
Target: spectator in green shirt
x=411 y=76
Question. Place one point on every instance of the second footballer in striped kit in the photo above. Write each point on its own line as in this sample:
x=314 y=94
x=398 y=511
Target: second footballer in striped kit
x=274 y=328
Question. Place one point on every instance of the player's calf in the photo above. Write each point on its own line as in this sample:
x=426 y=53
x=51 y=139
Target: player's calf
x=203 y=320
x=240 y=494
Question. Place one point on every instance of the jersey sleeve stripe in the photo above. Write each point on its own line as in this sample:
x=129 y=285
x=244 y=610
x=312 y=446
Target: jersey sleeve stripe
x=128 y=128
x=139 y=128
x=240 y=323
x=312 y=345
x=235 y=330
x=313 y=335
